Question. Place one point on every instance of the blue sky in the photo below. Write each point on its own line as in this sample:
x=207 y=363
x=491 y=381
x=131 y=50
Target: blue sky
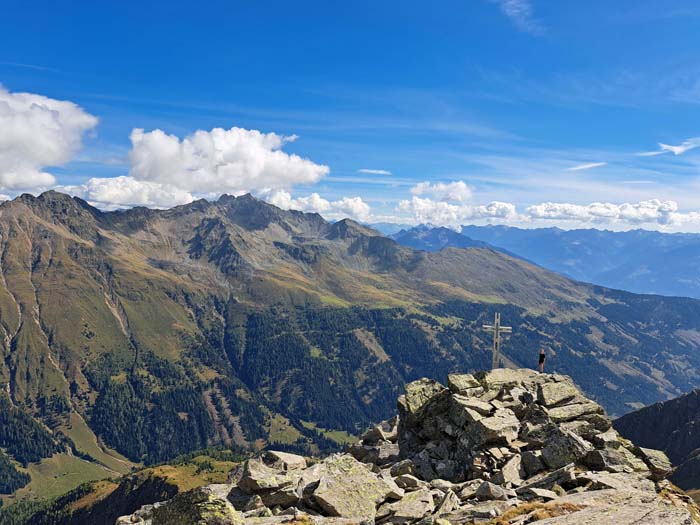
x=542 y=107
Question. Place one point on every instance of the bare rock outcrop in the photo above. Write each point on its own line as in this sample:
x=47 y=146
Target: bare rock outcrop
x=515 y=445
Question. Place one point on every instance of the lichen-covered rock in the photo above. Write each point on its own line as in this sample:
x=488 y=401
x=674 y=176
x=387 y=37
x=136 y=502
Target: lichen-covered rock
x=384 y=431
x=556 y=393
x=284 y=460
x=462 y=383
x=197 y=507
x=413 y=506
x=564 y=447
x=501 y=428
x=347 y=488
x=258 y=477
x=419 y=394
x=562 y=413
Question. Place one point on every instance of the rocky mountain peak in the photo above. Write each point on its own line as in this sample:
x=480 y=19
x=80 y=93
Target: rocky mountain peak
x=255 y=214
x=349 y=229
x=509 y=444
x=58 y=208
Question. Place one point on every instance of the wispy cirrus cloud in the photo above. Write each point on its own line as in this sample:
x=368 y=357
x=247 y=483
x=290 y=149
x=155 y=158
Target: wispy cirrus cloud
x=28 y=66
x=588 y=166
x=368 y=171
x=685 y=146
x=521 y=13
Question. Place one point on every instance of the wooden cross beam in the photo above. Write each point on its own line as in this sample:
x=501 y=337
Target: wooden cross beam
x=497 y=330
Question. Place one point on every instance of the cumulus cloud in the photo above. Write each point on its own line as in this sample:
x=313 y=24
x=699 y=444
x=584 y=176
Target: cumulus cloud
x=588 y=166
x=457 y=191
x=233 y=161
x=352 y=207
x=368 y=171
x=521 y=13
x=685 y=146
x=441 y=213
x=37 y=132
x=651 y=211
x=124 y=192
x=655 y=212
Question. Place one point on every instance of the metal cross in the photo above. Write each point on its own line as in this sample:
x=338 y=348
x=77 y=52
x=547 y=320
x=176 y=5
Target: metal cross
x=497 y=330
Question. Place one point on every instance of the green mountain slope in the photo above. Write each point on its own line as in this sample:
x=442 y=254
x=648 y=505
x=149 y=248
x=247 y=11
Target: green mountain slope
x=234 y=322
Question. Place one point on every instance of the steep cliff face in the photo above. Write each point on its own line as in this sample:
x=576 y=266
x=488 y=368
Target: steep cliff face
x=674 y=427
x=510 y=446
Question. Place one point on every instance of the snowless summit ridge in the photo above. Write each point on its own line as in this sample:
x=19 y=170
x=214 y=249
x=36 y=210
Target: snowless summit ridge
x=504 y=447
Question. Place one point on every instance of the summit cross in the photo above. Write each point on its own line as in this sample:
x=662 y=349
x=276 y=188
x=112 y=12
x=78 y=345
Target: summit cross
x=497 y=330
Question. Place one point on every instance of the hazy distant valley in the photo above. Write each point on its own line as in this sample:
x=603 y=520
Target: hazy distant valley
x=639 y=261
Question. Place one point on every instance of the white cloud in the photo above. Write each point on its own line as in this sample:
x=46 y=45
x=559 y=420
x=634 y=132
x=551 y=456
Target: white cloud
x=37 y=132
x=685 y=146
x=652 y=211
x=234 y=161
x=352 y=207
x=441 y=213
x=121 y=192
x=521 y=14
x=682 y=148
x=661 y=214
x=457 y=191
x=374 y=172
x=588 y=166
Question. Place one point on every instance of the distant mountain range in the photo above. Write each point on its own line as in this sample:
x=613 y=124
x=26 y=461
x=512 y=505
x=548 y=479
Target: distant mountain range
x=135 y=336
x=435 y=239
x=639 y=261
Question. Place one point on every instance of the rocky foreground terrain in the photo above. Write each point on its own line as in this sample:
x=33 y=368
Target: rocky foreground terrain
x=505 y=447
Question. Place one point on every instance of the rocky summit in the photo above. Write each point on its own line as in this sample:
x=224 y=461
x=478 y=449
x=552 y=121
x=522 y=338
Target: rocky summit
x=506 y=447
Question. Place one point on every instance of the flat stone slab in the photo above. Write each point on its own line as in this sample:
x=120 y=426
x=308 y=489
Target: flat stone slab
x=414 y=505
x=620 y=507
x=574 y=411
x=259 y=477
x=348 y=489
x=657 y=461
x=460 y=383
x=552 y=394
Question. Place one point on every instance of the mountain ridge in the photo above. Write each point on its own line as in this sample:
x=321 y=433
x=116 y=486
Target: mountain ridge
x=237 y=322
x=674 y=427
x=639 y=261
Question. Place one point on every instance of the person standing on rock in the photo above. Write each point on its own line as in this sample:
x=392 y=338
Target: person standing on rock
x=542 y=359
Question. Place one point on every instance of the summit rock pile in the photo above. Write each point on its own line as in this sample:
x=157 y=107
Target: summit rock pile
x=506 y=447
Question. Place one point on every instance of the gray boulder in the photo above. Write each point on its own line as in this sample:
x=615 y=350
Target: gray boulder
x=347 y=488
x=657 y=461
x=490 y=491
x=564 y=447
